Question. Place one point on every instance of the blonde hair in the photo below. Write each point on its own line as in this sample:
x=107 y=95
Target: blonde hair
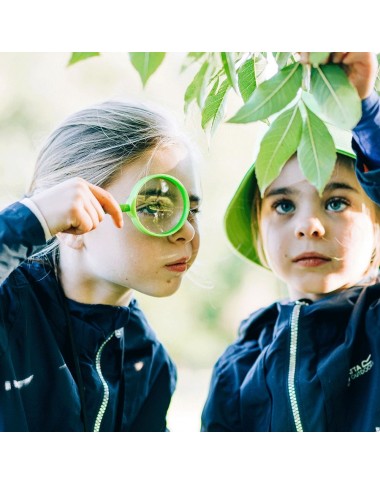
x=96 y=142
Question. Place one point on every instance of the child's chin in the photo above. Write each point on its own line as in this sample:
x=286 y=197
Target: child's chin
x=169 y=290
x=317 y=287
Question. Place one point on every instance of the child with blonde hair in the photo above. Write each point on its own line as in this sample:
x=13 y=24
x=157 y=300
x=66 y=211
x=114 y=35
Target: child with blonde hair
x=112 y=208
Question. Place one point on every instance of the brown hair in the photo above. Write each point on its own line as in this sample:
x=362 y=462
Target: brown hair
x=372 y=270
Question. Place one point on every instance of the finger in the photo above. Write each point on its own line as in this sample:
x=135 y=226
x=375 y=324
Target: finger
x=353 y=57
x=108 y=203
x=338 y=57
x=93 y=201
x=304 y=57
x=93 y=212
x=81 y=224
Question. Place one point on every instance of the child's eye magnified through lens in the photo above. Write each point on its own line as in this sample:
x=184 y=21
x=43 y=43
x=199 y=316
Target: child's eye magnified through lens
x=158 y=205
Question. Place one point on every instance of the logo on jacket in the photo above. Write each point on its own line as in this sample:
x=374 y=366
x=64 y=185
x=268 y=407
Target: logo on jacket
x=18 y=384
x=360 y=369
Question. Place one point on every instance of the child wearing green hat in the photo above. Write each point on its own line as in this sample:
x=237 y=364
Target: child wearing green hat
x=311 y=362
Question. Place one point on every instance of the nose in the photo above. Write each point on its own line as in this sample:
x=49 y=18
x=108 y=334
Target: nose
x=185 y=234
x=310 y=227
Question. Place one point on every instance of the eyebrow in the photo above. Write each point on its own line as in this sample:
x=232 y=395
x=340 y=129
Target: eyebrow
x=329 y=188
x=339 y=185
x=195 y=199
x=280 y=191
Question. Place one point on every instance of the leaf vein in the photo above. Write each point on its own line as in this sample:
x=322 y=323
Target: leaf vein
x=330 y=88
x=313 y=145
x=274 y=92
x=286 y=131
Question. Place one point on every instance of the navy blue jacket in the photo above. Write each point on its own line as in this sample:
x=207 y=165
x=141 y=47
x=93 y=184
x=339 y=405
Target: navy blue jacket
x=308 y=366
x=128 y=377
x=336 y=381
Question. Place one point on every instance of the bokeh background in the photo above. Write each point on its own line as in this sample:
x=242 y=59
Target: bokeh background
x=38 y=90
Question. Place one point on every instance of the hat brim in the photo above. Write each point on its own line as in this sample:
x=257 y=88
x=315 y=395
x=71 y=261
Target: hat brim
x=237 y=219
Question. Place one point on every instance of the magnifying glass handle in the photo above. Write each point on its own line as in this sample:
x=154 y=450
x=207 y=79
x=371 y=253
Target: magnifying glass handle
x=125 y=207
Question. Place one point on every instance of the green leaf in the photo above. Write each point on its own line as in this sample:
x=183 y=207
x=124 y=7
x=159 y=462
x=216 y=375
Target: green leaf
x=316 y=58
x=207 y=112
x=247 y=79
x=271 y=96
x=249 y=75
x=316 y=152
x=337 y=98
x=214 y=105
x=195 y=55
x=197 y=87
x=261 y=63
x=306 y=76
x=81 y=56
x=281 y=58
x=146 y=63
x=191 y=58
x=278 y=145
x=311 y=103
x=229 y=69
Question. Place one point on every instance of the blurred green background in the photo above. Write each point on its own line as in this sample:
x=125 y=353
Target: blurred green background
x=37 y=91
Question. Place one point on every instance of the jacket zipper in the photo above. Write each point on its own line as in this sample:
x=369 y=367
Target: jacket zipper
x=106 y=393
x=292 y=364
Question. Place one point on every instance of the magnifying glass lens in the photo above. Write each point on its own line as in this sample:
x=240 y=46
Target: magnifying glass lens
x=159 y=205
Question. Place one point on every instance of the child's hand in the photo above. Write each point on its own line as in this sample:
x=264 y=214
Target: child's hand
x=361 y=69
x=76 y=207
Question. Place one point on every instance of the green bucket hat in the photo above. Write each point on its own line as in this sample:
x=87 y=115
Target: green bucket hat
x=237 y=219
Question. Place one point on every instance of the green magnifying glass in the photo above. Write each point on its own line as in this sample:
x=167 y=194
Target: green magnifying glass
x=158 y=205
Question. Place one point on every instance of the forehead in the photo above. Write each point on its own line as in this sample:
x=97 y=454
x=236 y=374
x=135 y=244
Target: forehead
x=292 y=175
x=176 y=160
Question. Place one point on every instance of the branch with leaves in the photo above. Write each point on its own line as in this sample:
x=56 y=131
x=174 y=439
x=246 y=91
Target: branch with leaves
x=299 y=103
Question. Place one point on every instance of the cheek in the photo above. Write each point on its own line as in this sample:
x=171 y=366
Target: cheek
x=358 y=232
x=108 y=242
x=272 y=235
x=274 y=241
x=196 y=241
x=357 y=242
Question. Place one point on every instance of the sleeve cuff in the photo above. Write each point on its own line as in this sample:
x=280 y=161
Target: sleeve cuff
x=366 y=134
x=36 y=211
x=369 y=103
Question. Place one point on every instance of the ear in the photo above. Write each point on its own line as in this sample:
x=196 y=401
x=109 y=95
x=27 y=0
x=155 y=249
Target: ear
x=71 y=240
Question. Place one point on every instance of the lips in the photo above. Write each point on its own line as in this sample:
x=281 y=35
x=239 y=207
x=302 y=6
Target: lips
x=179 y=266
x=310 y=256
x=311 y=259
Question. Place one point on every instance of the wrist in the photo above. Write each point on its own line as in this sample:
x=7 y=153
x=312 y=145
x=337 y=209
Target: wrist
x=370 y=112
x=370 y=101
x=32 y=206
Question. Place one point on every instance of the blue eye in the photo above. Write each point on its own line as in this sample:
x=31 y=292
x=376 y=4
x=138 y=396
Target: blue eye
x=337 y=204
x=284 y=207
